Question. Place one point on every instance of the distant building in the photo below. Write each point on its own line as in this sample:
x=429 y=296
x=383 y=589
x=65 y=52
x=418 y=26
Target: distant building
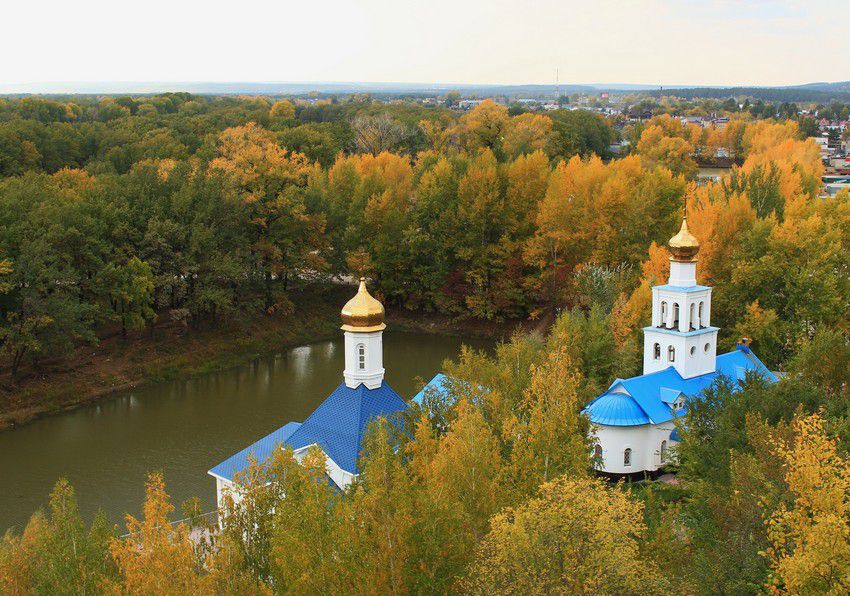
x=468 y=104
x=823 y=144
x=835 y=184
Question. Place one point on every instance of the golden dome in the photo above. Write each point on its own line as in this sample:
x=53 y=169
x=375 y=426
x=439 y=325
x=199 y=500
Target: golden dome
x=684 y=245
x=363 y=312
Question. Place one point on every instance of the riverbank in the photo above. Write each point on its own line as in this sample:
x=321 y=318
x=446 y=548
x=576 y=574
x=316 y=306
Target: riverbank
x=171 y=352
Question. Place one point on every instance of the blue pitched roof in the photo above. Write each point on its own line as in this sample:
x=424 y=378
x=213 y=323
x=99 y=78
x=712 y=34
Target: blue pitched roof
x=259 y=451
x=438 y=384
x=339 y=423
x=337 y=426
x=650 y=393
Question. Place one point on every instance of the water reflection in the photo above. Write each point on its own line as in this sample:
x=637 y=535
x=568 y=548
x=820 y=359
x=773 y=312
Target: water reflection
x=183 y=428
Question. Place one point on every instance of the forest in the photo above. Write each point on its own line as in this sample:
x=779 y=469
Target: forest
x=128 y=211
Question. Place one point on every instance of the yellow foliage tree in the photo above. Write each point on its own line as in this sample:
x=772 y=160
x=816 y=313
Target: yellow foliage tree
x=156 y=557
x=551 y=437
x=578 y=536
x=526 y=133
x=584 y=213
x=667 y=142
x=810 y=536
x=768 y=143
x=483 y=127
x=271 y=181
x=283 y=109
x=466 y=467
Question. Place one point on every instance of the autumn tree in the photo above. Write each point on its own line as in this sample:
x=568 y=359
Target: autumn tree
x=810 y=539
x=576 y=536
x=466 y=466
x=156 y=557
x=581 y=217
x=272 y=182
x=548 y=435
x=667 y=142
x=282 y=110
x=291 y=507
x=57 y=553
x=378 y=133
x=525 y=134
x=483 y=127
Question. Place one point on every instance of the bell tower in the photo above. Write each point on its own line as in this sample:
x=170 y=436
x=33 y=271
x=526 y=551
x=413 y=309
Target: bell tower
x=363 y=324
x=681 y=334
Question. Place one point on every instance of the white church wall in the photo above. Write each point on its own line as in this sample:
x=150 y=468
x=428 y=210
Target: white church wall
x=644 y=441
x=693 y=354
x=223 y=487
x=683 y=273
x=369 y=371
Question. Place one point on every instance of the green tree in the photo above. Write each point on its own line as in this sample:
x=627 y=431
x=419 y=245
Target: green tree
x=130 y=289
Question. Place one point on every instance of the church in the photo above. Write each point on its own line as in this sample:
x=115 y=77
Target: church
x=634 y=420
x=338 y=425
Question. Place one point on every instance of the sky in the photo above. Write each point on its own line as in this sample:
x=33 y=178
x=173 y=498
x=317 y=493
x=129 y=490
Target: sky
x=658 y=42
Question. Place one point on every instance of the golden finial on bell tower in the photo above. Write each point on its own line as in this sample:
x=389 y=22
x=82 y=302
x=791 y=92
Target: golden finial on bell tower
x=684 y=246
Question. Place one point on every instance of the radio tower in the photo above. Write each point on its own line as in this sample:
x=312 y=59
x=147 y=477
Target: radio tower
x=557 y=88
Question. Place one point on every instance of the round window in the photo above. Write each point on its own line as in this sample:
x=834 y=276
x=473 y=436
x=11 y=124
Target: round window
x=693 y=350
x=707 y=348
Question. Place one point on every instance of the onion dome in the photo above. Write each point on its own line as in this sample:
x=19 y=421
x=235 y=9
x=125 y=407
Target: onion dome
x=684 y=246
x=363 y=313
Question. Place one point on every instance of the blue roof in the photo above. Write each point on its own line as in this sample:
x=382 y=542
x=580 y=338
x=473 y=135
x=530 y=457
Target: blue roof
x=669 y=396
x=439 y=385
x=651 y=393
x=676 y=331
x=337 y=426
x=681 y=288
x=617 y=409
x=259 y=451
x=339 y=423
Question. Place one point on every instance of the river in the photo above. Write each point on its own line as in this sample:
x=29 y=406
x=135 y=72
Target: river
x=183 y=428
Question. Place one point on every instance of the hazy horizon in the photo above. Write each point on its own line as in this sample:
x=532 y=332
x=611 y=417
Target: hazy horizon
x=329 y=87
x=687 y=43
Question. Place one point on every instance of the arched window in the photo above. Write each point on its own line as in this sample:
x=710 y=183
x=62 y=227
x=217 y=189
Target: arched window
x=671 y=353
x=663 y=314
x=663 y=451
x=656 y=351
x=597 y=453
x=627 y=457
x=701 y=315
x=675 y=315
x=693 y=323
x=361 y=356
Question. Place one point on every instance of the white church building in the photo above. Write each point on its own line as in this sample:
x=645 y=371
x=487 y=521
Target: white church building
x=634 y=420
x=338 y=425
